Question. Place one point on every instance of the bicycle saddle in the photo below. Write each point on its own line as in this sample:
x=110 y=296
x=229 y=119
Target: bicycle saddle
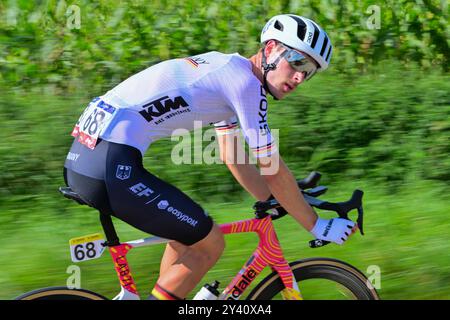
x=70 y=194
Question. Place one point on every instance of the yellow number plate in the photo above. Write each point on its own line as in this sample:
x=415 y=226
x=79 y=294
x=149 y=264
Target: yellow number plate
x=86 y=247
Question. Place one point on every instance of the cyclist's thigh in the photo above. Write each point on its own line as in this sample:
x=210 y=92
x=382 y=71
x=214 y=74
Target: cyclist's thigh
x=150 y=204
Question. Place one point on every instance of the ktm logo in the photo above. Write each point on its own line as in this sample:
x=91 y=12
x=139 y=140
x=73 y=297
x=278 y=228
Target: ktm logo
x=161 y=106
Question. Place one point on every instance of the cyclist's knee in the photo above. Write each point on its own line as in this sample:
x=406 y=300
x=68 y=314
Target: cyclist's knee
x=216 y=239
x=212 y=246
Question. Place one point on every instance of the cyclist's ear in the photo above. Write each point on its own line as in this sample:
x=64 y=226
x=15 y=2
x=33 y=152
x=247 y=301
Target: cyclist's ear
x=271 y=47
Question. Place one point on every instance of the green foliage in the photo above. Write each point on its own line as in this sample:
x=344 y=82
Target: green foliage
x=388 y=126
x=405 y=237
x=98 y=43
x=388 y=122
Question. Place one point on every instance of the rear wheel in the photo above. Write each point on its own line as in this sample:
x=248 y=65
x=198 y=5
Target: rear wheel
x=60 y=293
x=319 y=279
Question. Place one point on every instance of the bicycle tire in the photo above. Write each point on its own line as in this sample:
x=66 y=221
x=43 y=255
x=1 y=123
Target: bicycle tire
x=318 y=268
x=60 y=293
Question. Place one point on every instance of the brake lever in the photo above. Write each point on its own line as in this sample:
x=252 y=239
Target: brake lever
x=360 y=220
x=318 y=243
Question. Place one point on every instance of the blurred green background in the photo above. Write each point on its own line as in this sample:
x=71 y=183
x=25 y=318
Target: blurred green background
x=378 y=119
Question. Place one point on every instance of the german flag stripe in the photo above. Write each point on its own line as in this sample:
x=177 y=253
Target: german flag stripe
x=230 y=125
x=267 y=147
x=192 y=62
x=162 y=294
x=264 y=150
x=228 y=129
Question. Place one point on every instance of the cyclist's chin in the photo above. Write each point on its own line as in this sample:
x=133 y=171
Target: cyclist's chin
x=279 y=91
x=279 y=94
x=283 y=90
x=276 y=92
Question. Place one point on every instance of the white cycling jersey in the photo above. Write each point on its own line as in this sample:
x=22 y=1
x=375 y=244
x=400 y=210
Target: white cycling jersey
x=213 y=88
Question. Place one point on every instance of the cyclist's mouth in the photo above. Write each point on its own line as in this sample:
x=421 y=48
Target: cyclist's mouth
x=287 y=87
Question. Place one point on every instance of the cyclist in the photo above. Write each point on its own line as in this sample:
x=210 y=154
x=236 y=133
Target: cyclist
x=104 y=164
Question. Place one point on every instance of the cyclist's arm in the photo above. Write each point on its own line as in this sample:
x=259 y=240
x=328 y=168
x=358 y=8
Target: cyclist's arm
x=281 y=184
x=246 y=97
x=237 y=160
x=283 y=187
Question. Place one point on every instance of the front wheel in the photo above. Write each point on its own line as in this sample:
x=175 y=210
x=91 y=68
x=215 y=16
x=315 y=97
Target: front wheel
x=319 y=279
x=60 y=293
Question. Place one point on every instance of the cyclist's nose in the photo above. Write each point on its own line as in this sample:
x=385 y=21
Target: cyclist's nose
x=299 y=77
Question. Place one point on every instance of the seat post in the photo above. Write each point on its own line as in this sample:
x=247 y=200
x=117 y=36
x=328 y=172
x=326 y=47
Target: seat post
x=108 y=227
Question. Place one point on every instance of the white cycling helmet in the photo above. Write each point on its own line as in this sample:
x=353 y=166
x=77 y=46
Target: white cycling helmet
x=302 y=34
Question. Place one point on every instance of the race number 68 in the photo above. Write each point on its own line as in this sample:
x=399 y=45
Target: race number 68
x=85 y=250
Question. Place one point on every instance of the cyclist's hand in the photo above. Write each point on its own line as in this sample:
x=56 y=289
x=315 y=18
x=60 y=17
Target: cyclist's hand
x=335 y=230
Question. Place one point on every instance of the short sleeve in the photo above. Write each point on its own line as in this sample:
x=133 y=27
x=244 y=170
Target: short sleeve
x=251 y=106
x=244 y=94
x=225 y=127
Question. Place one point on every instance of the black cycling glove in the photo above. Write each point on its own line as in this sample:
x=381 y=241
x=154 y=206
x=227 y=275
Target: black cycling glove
x=279 y=211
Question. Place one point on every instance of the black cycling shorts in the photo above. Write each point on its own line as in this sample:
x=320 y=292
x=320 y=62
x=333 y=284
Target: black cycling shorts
x=112 y=179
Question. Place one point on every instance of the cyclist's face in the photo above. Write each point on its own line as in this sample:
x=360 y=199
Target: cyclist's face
x=284 y=79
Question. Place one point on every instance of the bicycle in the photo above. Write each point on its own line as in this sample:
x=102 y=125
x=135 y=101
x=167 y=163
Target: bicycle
x=284 y=282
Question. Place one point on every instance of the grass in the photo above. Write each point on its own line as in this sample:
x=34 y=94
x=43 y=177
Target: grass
x=406 y=238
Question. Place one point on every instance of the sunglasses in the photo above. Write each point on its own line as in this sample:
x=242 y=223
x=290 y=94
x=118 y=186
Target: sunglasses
x=300 y=62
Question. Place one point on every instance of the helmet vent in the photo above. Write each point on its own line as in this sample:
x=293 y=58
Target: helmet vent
x=328 y=54
x=316 y=36
x=324 y=45
x=278 y=25
x=301 y=27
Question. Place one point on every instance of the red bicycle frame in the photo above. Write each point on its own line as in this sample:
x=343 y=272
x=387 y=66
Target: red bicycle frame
x=268 y=253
